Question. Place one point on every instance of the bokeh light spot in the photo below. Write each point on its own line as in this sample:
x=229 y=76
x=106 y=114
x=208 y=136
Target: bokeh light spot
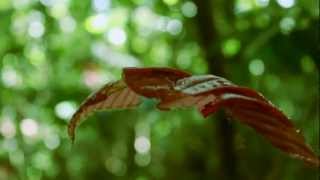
x=17 y=157
x=36 y=29
x=36 y=54
x=7 y=128
x=117 y=36
x=10 y=77
x=97 y=23
x=101 y=5
x=65 y=109
x=142 y=159
x=286 y=3
x=112 y=57
x=231 y=47
x=10 y=144
x=307 y=64
x=59 y=9
x=189 y=9
x=67 y=24
x=287 y=24
x=262 y=3
x=256 y=67
x=41 y=160
x=174 y=27
x=183 y=60
x=95 y=78
x=47 y=3
x=244 y=6
x=52 y=141
x=20 y=4
x=161 y=23
x=29 y=127
x=171 y=2
x=142 y=144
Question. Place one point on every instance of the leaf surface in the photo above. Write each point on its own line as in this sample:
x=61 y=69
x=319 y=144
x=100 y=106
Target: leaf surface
x=174 y=88
x=250 y=108
x=114 y=95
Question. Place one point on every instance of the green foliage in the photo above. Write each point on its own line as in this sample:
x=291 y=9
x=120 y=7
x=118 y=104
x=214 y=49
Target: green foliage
x=55 y=52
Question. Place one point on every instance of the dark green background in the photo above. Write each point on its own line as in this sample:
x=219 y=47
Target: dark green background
x=56 y=52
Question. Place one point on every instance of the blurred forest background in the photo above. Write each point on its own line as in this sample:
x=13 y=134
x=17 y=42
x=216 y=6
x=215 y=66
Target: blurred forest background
x=56 y=52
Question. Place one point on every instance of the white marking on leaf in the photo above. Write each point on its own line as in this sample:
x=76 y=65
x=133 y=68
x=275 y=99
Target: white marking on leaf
x=198 y=84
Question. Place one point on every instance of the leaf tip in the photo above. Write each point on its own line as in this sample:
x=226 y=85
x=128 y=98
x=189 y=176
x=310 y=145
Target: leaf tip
x=71 y=132
x=72 y=127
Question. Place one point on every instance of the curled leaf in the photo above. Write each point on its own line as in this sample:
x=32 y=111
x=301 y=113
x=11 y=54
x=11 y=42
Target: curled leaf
x=251 y=108
x=153 y=82
x=209 y=93
x=267 y=121
x=111 y=96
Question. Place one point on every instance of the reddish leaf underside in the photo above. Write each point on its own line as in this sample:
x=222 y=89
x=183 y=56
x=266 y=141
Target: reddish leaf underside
x=114 y=95
x=267 y=121
x=153 y=82
x=175 y=88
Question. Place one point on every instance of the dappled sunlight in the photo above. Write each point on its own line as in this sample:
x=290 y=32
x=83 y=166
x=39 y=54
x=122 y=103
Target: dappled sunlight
x=54 y=53
x=29 y=127
x=286 y=3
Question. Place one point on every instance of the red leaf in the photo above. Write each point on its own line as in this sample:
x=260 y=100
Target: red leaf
x=153 y=82
x=252 y=109
x=112 y=96
x=175 y=88
x=268 y=121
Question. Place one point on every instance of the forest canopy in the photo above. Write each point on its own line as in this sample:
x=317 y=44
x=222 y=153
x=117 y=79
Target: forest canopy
x=54 y=53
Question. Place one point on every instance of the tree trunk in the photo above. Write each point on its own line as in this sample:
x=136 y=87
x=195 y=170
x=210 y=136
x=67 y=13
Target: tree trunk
x=209 y=39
